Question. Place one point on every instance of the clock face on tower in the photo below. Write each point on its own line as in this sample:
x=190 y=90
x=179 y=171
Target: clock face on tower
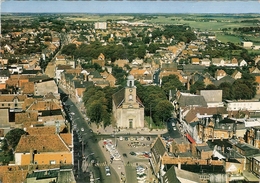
x=130 y=90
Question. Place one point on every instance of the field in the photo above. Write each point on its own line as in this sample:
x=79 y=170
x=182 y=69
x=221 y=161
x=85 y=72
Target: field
x=228 y=38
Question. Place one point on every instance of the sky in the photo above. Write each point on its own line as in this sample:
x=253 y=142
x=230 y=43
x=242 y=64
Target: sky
x=137 y=6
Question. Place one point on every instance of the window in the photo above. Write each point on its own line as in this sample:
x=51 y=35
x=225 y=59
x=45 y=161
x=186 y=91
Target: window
x=52 y=162
x=3 y=104
x=130 y=123
x=130 y=97
x=9 y=104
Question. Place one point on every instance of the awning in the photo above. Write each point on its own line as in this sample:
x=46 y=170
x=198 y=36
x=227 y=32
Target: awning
x=190 y=138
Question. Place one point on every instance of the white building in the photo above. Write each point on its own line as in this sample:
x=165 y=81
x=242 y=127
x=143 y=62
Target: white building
x=101 y=25
x=250 y=105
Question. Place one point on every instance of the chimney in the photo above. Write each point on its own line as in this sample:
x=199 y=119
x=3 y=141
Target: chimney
x=179 y=165
x=31 y=156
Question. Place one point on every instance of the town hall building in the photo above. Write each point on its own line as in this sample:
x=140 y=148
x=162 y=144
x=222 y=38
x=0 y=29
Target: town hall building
x=128 y=109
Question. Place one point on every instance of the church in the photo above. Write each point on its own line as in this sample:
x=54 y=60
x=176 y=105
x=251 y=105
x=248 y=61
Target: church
x=128 y=109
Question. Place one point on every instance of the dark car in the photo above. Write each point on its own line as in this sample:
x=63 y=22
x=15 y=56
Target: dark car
x=148 y=138
x=125 y=155
x=132 y=153
x=170 y=120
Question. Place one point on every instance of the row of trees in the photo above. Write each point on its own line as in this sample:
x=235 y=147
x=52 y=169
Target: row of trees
x=98 y=103
x=244 y=88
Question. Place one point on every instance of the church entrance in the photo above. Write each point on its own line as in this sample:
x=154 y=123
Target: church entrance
x=130 y=123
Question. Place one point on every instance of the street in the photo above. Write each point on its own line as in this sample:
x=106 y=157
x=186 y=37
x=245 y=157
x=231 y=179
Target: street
x=89 y=144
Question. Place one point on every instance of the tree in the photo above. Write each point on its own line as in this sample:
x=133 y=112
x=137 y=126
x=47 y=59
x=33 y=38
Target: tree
x=96 y=111
x=69 y=49
x=211 y=87
x=12 y=139
x=198 y=85
x=163 y=111
x=171 y=82
x=153 y=47
x=227 y=92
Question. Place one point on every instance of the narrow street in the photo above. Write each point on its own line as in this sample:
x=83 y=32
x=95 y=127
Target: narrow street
x=89 y=143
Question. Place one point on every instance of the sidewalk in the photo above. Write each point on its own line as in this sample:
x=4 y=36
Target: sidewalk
x=110 y=130
x=117 y=165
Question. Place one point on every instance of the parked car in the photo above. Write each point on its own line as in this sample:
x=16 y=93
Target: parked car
x=107 y=170
x=82 y=129
x=132 y=153
x=125 y=155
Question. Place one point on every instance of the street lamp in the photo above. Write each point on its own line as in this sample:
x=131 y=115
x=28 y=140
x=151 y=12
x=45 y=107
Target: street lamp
x=93 y=180
x=89 y=155
x=84 y=163
x=115 y=136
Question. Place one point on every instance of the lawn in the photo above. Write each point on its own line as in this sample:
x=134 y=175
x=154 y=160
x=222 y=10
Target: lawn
x=228 y=38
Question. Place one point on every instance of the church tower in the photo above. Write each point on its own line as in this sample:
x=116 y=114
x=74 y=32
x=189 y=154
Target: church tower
x=130 y=94
x=127 y=108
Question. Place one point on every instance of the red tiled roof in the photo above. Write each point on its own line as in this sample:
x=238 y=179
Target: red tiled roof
x=190 y=139
x=25 y=117
x=10 y=98
x=44 y=130
x=41 y=143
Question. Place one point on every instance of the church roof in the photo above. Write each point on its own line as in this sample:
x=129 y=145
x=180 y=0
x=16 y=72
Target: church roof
x=119 y=97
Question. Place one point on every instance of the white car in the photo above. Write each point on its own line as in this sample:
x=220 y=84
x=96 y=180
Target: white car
x=107 y=170
x=72 y=113
x=82 y=129
x=120 y=138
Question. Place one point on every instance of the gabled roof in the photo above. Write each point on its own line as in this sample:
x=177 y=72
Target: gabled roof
x=95 y=74
x=43 y=105
x=11 y=97
x=227 y=79
x=27 y=88
x=63 y=67
x=110 y=77
x=193 y=68
x=21 y=118
x=39 y=78
x=211 y=95
x=119 y=97
x=41 y=143
x=158 y=149
x=167 y=66
x=191 y=100
x=43 y=130
x=188 y=176
x=83 y=84
x=170 y=175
